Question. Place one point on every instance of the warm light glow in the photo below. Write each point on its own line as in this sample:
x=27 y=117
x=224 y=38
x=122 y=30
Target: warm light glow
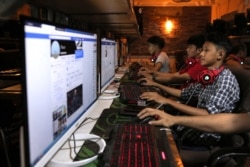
x=169 y=25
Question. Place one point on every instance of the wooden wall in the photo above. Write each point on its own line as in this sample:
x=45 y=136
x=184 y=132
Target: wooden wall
x=187 y=20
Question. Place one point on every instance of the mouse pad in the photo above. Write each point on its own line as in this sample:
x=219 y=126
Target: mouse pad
x=131 y=110
x=107 y=120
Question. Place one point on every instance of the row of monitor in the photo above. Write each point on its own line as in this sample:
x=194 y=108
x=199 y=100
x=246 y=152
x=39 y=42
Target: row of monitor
x=61 y=82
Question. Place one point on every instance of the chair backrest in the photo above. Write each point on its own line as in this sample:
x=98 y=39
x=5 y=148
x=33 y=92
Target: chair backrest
x=243 y=78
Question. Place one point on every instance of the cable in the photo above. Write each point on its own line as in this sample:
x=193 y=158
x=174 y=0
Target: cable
x=84 y=152
x=158 y=107
x=110 y=91
x=190 y=97
x=74 y=140
x=70 y=151
x=70 y=147
x=109 y=96
x=80 y=136
x=92 y=120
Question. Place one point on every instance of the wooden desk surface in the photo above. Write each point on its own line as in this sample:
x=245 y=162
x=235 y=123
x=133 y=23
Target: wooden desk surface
x=176 y=155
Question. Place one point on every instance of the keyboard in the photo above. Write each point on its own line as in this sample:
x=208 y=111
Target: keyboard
x=133 y=71
x=137 y=145
x=130 y=92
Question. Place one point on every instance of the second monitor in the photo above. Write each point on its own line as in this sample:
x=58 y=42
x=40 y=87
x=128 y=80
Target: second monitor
x=108 y=57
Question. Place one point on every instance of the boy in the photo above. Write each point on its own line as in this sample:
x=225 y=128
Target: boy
x=159 y=57
x=188 y=73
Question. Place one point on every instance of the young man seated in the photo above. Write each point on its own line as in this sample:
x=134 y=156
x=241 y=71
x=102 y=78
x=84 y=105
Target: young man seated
x=159 y=57
x=238 y=57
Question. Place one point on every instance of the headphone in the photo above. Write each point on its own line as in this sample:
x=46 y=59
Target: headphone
x=208 y=76
x=153 y=58
x=189 y=62
x=81 y=136
x=238 y=59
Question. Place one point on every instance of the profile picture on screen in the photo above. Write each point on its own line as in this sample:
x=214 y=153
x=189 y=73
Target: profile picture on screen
x=79 y=44
x=55 y=48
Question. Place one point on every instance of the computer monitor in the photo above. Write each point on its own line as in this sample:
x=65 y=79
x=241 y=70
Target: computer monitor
x=59 y=85
x=108 y=53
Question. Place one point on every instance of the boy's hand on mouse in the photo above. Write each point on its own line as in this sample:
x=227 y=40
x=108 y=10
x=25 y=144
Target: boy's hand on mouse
x=161 y=118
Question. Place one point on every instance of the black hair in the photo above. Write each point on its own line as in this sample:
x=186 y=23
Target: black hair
x=197 y=40
x=157 y=40
x=220 y=40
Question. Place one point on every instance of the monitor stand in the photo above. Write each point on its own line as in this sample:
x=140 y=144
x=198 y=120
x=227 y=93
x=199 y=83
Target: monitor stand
x=81 y=136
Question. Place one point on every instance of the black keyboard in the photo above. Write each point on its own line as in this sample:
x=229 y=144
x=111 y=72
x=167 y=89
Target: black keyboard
x=137 y=145
x=133 y=71
x=130 y=92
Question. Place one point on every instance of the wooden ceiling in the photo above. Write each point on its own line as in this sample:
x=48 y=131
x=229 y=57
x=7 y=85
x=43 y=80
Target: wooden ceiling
x=115 y=16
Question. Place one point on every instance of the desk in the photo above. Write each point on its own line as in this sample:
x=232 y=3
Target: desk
x=89 y=127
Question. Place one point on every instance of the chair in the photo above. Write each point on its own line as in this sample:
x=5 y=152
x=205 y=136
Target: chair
x=229 y=157
x=243 y=78
x=233 y=154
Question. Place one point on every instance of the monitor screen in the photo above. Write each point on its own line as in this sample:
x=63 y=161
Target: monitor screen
x=108 y=53
x=59 y=86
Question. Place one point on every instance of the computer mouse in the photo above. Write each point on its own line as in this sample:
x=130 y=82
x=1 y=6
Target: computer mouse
x=146 y=119
x=142 y=82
